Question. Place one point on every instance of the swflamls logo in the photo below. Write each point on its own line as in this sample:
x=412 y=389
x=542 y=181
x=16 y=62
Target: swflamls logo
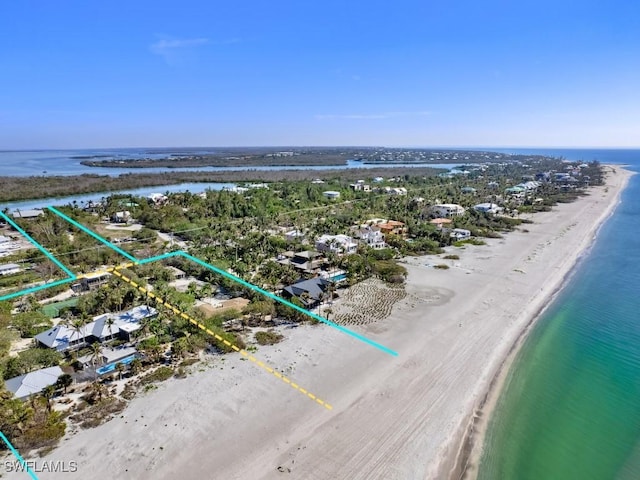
x=42 y=466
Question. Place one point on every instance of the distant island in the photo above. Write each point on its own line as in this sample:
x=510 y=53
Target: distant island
x=296 y=156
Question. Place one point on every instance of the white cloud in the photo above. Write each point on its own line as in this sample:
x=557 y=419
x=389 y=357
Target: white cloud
x=373 y=116
x=164 y=46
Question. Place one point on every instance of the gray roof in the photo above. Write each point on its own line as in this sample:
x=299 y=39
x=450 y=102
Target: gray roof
x=9 y=266
x=33 y=382
x=27 y=213
x=315 y=287
x=60 y=336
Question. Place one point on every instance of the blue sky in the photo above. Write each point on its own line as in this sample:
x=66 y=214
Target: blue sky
x=78 y=74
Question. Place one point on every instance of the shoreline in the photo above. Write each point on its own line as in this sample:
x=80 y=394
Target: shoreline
x=472 y=437
x=392 y=418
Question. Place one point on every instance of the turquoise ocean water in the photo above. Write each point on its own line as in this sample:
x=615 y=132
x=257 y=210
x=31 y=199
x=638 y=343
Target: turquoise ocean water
x=570 y=408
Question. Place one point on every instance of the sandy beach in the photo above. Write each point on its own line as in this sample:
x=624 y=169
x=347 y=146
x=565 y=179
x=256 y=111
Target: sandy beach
x=402 y=417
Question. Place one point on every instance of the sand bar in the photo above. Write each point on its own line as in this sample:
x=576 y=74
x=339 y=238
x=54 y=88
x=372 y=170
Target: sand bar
x=393 y=418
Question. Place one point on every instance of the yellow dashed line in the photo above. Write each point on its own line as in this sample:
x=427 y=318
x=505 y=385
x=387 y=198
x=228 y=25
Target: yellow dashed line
x=219 y=338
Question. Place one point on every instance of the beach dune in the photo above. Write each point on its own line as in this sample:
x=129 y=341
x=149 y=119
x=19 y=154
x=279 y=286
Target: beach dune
x=399 y=417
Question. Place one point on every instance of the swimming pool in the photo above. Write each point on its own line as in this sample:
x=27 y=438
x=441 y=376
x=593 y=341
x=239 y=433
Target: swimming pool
x=110 y=367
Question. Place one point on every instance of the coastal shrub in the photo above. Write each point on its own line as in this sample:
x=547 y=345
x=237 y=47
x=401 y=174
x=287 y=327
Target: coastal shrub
x=268 y=338
x=229 y=337
x=188 y=362
x=389 y=271
x=441 y=266
x=158 y=375
x=99 y=413
x=452 y=257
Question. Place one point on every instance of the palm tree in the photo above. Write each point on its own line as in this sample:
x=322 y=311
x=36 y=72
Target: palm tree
x=96 y=357
x=47 y=393
x=64 y=381
x=136 y=366
x=120 y=368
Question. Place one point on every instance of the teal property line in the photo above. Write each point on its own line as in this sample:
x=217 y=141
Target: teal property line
x=36 y=289
x=40 y=247
x=255 y=288
x=94 y=235
x=24 y=464
x=251 y=286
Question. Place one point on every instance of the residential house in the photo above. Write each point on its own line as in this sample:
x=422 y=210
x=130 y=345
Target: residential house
x=177 y=273
x=158 y=198
x=460 y=234
x=395 y=191
x=393 y=227
x=103 y=328
x=447 y=210
x=468 y=190
x=336 y=244
x=360 y=186
x=490 y=208
x=121 y=217
x=91 y=281
x=33 y=383
x=28 y=214
x=371 y=236
x=293 y=235
x=331 y=194
x=310 y=292
x=9 y=269
x=440 y=223
x=309 y=262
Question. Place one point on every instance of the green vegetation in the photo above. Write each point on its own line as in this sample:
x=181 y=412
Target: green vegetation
x=31 y=424
x=451 y=257
x=158 y=375
x=269 y=337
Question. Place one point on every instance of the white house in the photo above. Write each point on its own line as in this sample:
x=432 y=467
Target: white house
x=121 y=217
x=158 y=198
x=360 y=186
x=371 y=237
x=491 y=208
x=460 y=234
x=336 y=244
x=395 y=191
x=293 y=235
x=447 y=210
x=9 y=269
x=331 y=194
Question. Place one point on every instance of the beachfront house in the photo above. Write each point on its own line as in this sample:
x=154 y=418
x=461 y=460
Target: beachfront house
x=393 y=227
x=371 y=236
x=309 y=292
x=102 y=329
x=490 y=208
x=458 y=234
x=33 y=383
x=336 y=244
x=447 y=210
